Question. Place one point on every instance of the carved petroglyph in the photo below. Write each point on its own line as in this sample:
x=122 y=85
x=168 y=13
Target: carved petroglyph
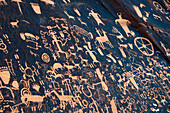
x=144 y=45
x=3 y=1
x=124 y=24
x=167 y=50
x=69 y=16
x=75 y=61
x=96 y=17
x=31 y=40
x=36 y=8
x=3 y=46
x=49 y=2
x=45 y=57
x=4 y=75
x=101 y=39
x=18 y=3
x=14 y=24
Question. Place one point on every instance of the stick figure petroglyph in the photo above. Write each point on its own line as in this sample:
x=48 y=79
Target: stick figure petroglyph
x=96 y=17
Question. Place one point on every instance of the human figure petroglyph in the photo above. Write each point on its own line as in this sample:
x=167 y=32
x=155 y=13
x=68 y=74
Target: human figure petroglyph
x=124 y=24
x=55 y=77
x=38 y=65
x=96 y=17
x=78 y=48
x=28 y=71
x=101 y=39
x=56 y=42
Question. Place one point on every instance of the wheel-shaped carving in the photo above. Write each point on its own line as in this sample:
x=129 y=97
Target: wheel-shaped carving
x=144 y=46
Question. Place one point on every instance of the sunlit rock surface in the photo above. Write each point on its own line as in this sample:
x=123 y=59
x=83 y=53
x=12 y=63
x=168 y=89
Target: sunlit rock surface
x=84 y=56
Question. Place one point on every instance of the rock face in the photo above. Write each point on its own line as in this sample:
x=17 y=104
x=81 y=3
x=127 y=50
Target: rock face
x=88 y=56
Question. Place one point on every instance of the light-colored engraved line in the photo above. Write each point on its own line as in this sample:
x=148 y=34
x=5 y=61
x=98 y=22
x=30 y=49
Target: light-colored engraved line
x=36 y=8
x=96 y=17
x=124 y=24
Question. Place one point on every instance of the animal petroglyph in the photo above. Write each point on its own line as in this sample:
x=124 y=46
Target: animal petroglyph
x=101 y=39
